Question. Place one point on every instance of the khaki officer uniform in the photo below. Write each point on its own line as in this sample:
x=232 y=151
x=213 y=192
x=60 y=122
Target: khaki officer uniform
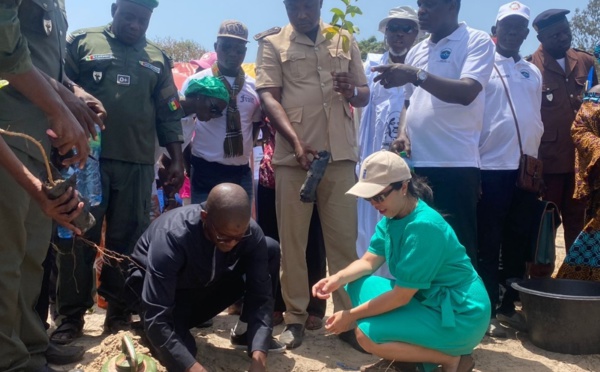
x=562 y=94
x=323 y=120
x=135 y=85
x=32 y=33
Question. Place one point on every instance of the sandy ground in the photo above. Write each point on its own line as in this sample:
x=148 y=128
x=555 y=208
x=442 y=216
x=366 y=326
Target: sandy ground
x=324 y=352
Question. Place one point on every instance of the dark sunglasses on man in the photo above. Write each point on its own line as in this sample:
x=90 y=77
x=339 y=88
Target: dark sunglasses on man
x=407 y=29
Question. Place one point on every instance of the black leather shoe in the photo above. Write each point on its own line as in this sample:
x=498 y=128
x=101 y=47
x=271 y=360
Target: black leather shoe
x=292 y=336
x=349 y=337
x=60 y=354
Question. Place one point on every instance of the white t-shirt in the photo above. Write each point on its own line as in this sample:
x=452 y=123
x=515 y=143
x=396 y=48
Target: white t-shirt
x=209 y=136
x=447 y=134
x=498 y=145
x=562 y=63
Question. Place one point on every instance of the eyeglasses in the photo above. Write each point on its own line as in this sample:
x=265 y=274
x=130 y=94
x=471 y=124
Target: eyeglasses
x=379 y=198
x=215 y=111
x=394 y=27
x=224 y=239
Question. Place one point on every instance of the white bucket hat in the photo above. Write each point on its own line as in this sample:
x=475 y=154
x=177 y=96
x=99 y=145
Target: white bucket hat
x=401 y=12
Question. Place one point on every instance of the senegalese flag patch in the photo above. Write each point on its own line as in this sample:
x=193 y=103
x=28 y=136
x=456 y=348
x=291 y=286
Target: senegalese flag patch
x=174 y=104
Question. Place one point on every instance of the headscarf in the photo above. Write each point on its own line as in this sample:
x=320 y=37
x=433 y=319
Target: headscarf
x=208 y=86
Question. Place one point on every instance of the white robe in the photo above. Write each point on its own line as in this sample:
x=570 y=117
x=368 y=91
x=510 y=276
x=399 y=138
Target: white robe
x=378 y=129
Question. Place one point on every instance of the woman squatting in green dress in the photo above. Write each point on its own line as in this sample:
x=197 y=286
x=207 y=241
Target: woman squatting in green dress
x=436 y=311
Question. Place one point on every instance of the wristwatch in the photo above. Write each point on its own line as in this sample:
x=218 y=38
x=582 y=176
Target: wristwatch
x=421 y=77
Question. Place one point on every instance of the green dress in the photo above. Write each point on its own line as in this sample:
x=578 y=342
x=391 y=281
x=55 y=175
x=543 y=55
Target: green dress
x=450 y=311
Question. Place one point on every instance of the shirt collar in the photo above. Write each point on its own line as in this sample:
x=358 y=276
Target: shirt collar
x=303 y=39
x=458 y=34
x=499 y=58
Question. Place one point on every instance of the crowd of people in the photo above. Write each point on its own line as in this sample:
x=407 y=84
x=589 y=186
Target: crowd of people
x=412 y=216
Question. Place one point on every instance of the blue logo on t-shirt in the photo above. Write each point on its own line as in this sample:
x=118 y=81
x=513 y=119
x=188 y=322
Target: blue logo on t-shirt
x=525 y=74
x=446 y=54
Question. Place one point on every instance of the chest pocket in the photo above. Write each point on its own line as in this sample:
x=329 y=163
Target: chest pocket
x=549 y=94
x=39 y=16
x=341 y=58
x=96 y=71
x=294 y=64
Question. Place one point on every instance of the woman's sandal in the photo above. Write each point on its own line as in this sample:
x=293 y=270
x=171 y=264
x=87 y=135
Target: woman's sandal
x=67 y=332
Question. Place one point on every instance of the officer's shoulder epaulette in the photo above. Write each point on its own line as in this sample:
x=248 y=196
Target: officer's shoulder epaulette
x=528 y=58
x=168 y=58
x=584 y=51
x=72 y=36
x=269 y=32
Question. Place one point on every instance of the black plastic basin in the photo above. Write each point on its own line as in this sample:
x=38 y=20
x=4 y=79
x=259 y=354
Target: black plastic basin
x=562 y=315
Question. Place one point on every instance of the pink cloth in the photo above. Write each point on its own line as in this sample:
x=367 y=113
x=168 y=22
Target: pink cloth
x=186 y=189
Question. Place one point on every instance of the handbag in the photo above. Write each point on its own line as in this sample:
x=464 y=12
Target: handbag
x=530 y=230
x=529 y=177
x=543 y=249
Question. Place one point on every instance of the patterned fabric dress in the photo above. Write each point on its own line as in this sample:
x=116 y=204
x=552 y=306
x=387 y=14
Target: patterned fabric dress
x=583 y=260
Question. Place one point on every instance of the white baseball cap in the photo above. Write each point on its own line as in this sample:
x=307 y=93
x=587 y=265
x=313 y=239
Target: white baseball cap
x=378 y=171
x=513 y=8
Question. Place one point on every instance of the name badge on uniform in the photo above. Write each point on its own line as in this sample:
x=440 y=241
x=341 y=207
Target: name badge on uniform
x=123 y=80
x=97 y=75
x=150 y=66
x=48 y=26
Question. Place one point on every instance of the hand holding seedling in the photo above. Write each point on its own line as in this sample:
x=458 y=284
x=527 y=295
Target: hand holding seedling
x=343 y=83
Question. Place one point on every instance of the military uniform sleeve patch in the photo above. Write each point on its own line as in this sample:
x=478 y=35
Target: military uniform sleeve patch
x=269 y=32
x=174 y=104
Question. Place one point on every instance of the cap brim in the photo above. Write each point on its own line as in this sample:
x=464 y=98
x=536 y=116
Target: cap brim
x=233 y=37
x=366 y=189
x=511 y=14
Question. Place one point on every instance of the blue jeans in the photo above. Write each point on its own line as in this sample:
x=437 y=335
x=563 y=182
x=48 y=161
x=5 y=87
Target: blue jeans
x=206 y=175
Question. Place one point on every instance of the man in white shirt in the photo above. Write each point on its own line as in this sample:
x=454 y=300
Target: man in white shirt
x=221 y=148
x=499 y=150
x=448 y=72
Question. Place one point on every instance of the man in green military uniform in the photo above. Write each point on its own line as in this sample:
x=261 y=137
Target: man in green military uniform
x=37 y=104
x=132 y=78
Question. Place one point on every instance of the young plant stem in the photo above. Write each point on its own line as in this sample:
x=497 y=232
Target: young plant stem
x=39 y=146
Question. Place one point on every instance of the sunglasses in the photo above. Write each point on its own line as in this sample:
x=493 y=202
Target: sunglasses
x=407 y=29
x=215 y=111
x=379 y=198
x=224 y=239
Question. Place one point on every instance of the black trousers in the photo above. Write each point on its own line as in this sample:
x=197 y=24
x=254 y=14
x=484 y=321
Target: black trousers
x=497 y=190
x=315 y=250
x=198 y=305
x=455 y=195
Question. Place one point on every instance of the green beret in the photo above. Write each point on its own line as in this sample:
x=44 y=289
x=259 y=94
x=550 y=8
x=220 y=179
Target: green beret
x=150 y=4
x=208 y=86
